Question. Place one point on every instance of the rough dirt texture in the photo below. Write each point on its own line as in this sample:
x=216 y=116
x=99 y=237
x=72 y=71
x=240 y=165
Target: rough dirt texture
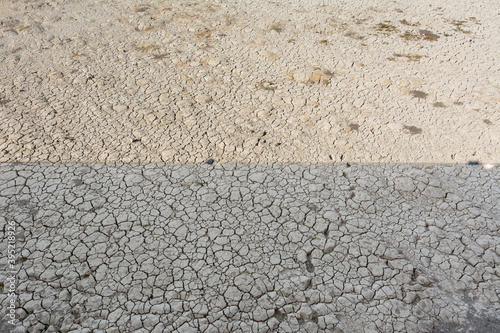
x=250 y=81
x=244 y=248
x=250 y=166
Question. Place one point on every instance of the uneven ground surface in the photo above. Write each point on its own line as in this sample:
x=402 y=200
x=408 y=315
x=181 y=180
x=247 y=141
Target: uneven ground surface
x=120 y=248
x=250 y=166
x=250 y=82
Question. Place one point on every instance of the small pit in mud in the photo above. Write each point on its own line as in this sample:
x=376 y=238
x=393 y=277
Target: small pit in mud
x=418 y=94
x=413 y=130
x=428 y=35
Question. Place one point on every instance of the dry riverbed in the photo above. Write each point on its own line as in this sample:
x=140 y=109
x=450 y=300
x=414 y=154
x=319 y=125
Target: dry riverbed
x=249 y=166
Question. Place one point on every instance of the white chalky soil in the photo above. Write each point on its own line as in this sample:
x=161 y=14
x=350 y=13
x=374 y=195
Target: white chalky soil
x=182 y=82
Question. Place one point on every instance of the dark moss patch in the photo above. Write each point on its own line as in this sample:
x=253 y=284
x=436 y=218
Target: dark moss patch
x=160 y=56
x=410 y=57
x=476 y=321
x=353 y=35
x=141 y=9
x=278 y=314
x=385 y=27
x=354 y=127
x=459 y=26
x=413 y=130
x=327 y=72
x=439 y=105
x=278 y=27
x=204 y=33
x=77 y=54
x=428 y=35
x=266 y=85
x=410 y=36
x=309 y=264
x=405 y=22
x=21 y=260
x=146 y=47
x=418 y=94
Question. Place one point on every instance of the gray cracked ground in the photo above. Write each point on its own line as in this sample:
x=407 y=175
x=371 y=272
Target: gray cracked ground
x=122 y=248
x=108 y=111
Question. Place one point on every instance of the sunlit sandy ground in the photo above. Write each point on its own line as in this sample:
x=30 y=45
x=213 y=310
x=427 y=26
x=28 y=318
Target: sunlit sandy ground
x=281 y=82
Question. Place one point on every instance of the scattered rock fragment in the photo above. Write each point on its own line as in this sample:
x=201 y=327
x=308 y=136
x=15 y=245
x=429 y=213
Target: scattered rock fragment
x=313 y=75
x=428 y=35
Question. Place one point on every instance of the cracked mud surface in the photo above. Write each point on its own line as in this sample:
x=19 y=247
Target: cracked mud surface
x=182 y=82
x=255 y=248
x=251 y=166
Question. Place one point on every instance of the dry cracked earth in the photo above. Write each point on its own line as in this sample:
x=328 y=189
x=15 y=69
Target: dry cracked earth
x=250 y=166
